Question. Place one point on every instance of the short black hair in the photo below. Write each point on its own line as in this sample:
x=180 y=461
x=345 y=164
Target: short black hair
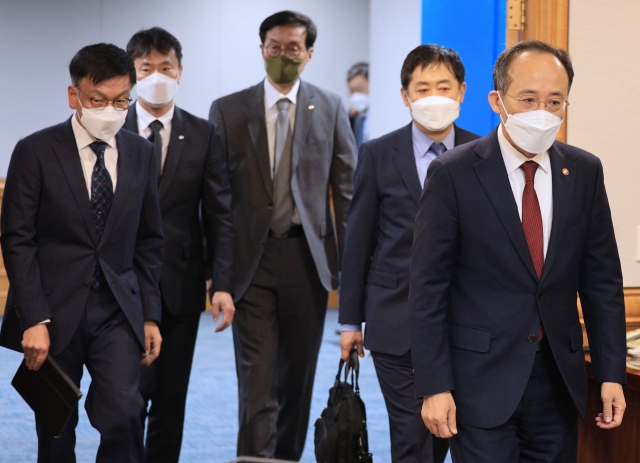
x=144 y=41
x=100 y=62
x=427 y=55
x=290 y=18
x=358 y=69
x=501 y=77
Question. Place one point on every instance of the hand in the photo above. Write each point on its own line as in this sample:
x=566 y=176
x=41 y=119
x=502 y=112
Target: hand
x=348 y=339
x=439 y=414
x=222 y=301
x=152 y=342
x=613 y=406
x=35 y=342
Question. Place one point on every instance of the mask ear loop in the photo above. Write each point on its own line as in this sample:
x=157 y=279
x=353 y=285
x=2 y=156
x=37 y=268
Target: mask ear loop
x=503 y=107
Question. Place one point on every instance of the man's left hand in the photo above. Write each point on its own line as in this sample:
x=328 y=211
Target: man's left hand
x=222 y=301
x=613 y=406
x=152 y=342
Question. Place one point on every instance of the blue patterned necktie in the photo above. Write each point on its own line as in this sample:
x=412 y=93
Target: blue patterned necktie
x=101 y=201
x=437 y=148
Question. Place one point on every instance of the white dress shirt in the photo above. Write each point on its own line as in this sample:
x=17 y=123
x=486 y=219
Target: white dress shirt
x=421 y=145
x=145 y=118
x=88 y=158
x=271 y=98
x=513 y=159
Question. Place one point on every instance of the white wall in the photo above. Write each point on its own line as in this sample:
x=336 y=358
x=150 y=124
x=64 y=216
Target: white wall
x=220 y=44
x=604 y=116
x=396 y=29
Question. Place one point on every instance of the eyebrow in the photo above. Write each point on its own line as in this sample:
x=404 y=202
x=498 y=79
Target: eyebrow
x=145 y=62
x=535 y=92
x=102 y=95
x=443 y=81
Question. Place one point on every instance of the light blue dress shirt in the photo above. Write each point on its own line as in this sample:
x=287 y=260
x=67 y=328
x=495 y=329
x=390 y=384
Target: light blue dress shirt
x=421 y=145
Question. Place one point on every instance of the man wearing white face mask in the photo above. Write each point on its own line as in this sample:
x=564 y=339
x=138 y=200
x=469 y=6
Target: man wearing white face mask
x=358 y=82
x=195 y=203
x=509 y=229
x=375 y=271
x=82 y=244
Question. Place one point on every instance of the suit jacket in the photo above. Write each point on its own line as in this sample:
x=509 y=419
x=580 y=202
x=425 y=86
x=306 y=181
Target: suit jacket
x=195 y=203
x=49 y=241
x=375 y=268
x=475 y=299
x=322 y=162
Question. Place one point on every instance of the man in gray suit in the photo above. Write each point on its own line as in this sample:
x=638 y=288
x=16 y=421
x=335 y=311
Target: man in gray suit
x=288 y=144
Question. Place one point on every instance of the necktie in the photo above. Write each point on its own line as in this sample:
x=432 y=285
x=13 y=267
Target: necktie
x=156 y=139
x=437 y=148
x=532 y=221
x=283 y=199
x=101 y=201
x=532 y=217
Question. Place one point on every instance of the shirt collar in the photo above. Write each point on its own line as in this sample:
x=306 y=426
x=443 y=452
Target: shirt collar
x=84 y=138
x=513 y=158
x=145 y=117
x=423 y=142
x=272 y=95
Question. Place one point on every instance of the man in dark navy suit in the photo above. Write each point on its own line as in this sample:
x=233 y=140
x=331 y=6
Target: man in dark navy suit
x=195 y=203
x=510 y=228
x=375 y=269
x=82 y=244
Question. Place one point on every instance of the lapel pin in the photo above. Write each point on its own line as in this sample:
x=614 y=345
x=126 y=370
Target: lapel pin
x=310 y=107
x=181 y=137
x=565 y=171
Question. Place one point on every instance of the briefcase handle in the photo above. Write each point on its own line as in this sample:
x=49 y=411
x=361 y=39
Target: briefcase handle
x=352 y=365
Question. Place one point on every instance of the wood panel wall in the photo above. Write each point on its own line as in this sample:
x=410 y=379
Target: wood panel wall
x=545 y=20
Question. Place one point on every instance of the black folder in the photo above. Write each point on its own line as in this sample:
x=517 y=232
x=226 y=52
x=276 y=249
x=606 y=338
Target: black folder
x=49 y=392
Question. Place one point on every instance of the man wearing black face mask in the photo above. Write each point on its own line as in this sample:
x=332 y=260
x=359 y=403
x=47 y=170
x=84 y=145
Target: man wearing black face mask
x=288 y=144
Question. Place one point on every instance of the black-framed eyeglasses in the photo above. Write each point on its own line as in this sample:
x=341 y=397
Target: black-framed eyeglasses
x=100 y=103
x=292 y=52
x=530 y=102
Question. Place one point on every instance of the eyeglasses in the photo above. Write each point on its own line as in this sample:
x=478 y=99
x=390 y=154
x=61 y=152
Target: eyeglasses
x=530 y=102
x=100 y=103
x=292 y=52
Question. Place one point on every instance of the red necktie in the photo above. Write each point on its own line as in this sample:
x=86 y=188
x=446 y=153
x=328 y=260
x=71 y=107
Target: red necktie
x=532 y=221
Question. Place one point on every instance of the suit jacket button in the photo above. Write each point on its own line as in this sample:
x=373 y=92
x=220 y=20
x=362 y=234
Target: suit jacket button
x=85 y=284
x=539 y=296
x=270 y=206
x=532 y=338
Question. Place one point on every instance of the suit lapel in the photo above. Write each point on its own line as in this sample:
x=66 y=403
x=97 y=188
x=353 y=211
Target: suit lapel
x=179 y=132
x=405 y=161
x=69 y=158
x=125 y=168
x=562 y=188
x=493 y=176
x=257 y=124
x=131 y=122
x=304 y=119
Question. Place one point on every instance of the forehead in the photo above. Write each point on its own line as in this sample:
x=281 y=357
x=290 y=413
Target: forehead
x=284 y=34
x=538 y=71
x=114 y=86
x=358 y=81
x=432 y=73
x=155 y=57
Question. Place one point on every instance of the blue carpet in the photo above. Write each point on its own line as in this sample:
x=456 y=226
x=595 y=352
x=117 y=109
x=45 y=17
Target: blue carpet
x=211 y=418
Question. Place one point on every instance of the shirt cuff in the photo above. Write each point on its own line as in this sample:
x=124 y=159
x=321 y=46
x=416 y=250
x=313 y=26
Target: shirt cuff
x=46 y=322
x=350 y=328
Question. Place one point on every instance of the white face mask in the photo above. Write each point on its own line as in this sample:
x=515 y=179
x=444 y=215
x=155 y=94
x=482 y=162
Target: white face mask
x=157 y=89
x=435 y=112
x=104 y=123
x=533 y=131
x=358 y=101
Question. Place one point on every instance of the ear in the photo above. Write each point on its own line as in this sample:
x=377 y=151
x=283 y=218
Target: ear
x=463 y=90
x=405 y=97
x=179 y=74
x=494 y=102
x=309 y=54
x=73 y=97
